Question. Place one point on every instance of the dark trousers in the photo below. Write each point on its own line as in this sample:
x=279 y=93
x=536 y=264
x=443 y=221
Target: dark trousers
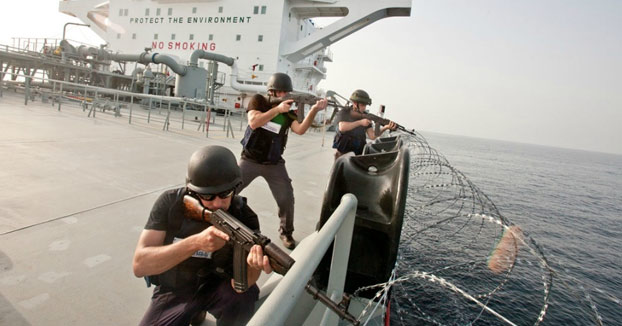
x=228 y=306
x=280 y=185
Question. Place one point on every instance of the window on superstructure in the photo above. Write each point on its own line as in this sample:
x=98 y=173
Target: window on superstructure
x=256 y=10
x=118 y=35
x=125 y=12
x=260 y=38
x=220 y=10
x=158 y=11
x=133 y=36
x=155 y=36
x=194 y=10
x=191 y=37
x=147 y=12
x=238 y=37
x=260 y=67
x=120 y=12
x=211 y=37
x=172 y=36
x=263 y=10
x=170 y=11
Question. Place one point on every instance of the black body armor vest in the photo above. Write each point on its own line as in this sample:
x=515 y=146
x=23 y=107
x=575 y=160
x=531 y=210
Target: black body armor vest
x=202 y=267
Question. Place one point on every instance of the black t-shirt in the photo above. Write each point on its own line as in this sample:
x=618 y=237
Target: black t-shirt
x=347 y=115
x=258 y=102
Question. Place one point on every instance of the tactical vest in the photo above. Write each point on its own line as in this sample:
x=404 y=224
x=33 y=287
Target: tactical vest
x=350 y=141
x=345 y=143
x=201 y=266
x=267 y=143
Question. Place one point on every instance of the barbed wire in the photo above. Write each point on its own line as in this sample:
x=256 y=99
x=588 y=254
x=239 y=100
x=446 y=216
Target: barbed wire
x=450 y=230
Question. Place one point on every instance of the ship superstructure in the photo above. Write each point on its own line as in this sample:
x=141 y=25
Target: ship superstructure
x=266 y=37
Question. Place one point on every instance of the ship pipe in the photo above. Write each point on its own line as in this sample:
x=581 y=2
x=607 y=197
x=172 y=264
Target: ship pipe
x=82 y=50
x=146 y=58
x=137 y=71
x=235 y=84
x=67 y=47
x=85 y=51
x=200 y=54
x=140 y=58
x=169 y=62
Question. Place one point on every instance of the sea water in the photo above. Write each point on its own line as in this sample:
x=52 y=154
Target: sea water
x=567 y=202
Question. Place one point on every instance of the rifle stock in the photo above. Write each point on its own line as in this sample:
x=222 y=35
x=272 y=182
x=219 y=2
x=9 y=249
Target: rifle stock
x=242 y=238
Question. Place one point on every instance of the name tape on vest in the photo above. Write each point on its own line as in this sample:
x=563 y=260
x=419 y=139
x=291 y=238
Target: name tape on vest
x=199 y=253
x=272 y=127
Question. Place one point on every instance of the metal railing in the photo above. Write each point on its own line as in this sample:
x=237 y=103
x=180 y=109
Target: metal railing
x=92 y=97
x=281 y=300
x=37 y=44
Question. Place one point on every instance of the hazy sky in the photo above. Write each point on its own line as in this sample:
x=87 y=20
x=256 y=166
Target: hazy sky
x=543 y=72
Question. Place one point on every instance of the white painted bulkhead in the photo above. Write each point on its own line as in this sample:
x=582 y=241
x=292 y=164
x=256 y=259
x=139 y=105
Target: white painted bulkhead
x=264 y=37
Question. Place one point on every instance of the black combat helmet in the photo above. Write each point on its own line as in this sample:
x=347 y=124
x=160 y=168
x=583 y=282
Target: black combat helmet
x=280 y=82
x=212 y=170
x=360 y=96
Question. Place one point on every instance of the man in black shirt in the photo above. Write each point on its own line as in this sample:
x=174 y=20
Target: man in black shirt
x=189 y=260
x=264 y=143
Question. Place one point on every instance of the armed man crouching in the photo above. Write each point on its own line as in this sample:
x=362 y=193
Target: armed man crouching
x=190 y=260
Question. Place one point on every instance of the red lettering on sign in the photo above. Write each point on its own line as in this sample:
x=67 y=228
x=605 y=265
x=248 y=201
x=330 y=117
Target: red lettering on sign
x=157 y=45
x=207 y=46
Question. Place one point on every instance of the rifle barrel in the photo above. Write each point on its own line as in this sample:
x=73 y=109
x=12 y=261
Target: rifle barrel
x=384 y=122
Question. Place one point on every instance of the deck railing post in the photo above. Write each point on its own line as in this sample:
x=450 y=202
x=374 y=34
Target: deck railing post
x=183 y=114
x=60 y=96
x=131 y=108
x=280 y=303
x=339 y=266
x=149 y=112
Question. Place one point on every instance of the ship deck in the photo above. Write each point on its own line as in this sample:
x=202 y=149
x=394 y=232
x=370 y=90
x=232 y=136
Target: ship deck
x=77 y=190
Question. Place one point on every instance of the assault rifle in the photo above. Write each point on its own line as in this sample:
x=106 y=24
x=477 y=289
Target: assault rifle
x=384 y=122
x=300 y=100
x=242 y=239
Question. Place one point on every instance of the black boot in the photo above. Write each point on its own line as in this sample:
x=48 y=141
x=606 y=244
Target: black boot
x=288 y=241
